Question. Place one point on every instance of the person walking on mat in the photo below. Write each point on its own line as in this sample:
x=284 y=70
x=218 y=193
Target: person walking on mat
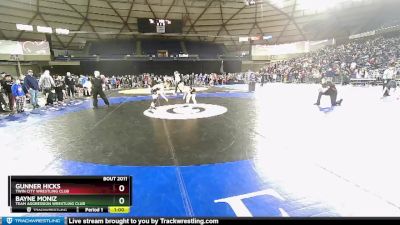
x=97 y=89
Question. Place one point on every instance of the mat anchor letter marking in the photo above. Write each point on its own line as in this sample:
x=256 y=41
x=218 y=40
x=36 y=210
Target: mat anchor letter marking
x=241 y=210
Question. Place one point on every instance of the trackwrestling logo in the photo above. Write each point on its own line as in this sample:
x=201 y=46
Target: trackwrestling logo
x=185 y=111
x=33 y=220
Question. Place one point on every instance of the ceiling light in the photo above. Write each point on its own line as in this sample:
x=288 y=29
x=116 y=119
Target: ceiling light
x=243 y=39
x=267 y=37
x=24 y=27
x=62 y=31
x=44 y=29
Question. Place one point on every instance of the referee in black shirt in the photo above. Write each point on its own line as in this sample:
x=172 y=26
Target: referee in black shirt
x=97 y=89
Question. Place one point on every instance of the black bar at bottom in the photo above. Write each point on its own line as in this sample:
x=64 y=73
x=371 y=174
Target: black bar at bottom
x=217 y=221
x=59 y=209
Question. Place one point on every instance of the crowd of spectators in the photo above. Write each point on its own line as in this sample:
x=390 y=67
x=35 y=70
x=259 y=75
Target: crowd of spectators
x=147 y=80
x=57 y=89
x=15 y=92
x=373 y=57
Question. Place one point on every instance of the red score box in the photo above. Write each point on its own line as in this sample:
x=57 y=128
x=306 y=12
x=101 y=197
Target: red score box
x=95 y=189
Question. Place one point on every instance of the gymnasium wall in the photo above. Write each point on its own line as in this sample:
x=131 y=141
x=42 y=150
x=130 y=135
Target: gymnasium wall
x=12 y=68
x=9 y=69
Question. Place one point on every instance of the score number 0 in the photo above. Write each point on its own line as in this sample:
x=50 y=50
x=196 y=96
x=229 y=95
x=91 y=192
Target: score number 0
x=121 y=200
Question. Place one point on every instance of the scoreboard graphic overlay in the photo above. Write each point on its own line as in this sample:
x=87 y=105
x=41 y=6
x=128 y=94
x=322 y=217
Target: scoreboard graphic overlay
x=70 y=194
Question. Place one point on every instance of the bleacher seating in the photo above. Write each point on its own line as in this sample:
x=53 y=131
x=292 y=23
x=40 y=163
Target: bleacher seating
x=112 y=48
x=126 y=50
x=151 y=47
x=364 y=57
x=230 y=57
x=363 y=81
x=368 y=81
x=205 y=50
